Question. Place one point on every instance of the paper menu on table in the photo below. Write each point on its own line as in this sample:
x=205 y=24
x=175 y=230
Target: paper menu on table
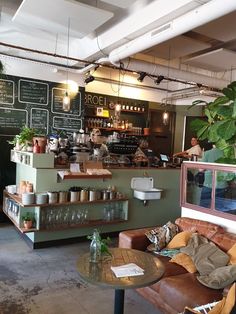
x=126 y=270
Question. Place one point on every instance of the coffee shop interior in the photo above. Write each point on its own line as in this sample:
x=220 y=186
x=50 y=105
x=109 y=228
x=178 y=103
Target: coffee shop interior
x=105 y=90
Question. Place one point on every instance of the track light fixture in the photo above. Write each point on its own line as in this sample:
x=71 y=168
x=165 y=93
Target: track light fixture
x=89 y=79
x=159 y=79
x=141 y=76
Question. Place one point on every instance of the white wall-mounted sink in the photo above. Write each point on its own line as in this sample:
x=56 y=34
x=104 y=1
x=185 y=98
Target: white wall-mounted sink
x=144 y=190
x=152 y=194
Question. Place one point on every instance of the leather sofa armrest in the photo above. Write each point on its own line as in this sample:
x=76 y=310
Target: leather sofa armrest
x=226 y=290
x=134 y=239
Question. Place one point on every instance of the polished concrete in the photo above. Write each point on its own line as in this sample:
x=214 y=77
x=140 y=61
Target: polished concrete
x=45 y=281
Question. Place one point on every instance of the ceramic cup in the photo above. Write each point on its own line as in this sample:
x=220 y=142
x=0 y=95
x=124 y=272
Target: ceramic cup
x=63 y=196
x=28 y=198
x=41 y=198
x=52 y=197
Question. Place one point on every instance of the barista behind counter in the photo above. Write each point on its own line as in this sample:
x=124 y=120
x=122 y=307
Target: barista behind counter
x=194 y=150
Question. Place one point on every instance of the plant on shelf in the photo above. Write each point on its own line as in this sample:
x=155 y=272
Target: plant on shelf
x=220 y=127
x=28 y=220
x=23 y=140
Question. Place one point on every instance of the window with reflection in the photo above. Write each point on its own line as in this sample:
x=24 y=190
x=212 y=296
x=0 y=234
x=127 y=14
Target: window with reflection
x=209 y=187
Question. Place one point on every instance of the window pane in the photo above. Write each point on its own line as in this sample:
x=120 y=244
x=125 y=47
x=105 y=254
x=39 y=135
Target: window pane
x=226 y=192
x=194 y=186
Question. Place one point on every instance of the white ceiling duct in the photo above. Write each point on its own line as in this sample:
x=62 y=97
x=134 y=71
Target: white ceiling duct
x=197 y=17
x=143 y=66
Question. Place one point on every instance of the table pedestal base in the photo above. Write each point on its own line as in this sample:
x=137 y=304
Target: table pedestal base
x=119 y=301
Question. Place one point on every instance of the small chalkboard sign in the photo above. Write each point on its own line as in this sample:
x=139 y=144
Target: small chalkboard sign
x=12 y=119
x=6 y=92
x=39 y=120
x=33 y=92
x=65 y=123
x=57 y=102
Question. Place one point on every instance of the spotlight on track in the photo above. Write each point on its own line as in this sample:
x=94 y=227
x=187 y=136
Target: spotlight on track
x=89 y=79
x=141 y=76
x=159 y=79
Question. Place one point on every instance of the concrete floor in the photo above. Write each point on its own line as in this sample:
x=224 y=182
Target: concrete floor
x=45 y=281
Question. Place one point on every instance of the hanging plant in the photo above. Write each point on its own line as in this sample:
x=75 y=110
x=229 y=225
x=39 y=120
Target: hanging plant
x=220 y=127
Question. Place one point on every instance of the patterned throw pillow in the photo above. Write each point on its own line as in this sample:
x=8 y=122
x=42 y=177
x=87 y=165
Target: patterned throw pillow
x=160 y=236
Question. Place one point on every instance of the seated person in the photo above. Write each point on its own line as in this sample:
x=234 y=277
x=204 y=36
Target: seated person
x=194 y=150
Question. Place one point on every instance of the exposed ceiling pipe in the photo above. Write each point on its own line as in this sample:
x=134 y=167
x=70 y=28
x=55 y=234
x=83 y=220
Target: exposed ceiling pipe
x=195 y=18
x=143 y=66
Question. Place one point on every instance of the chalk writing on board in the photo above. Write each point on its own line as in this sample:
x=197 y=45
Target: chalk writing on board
x=67 y=123
x=39 y=120
x=7 y=92
x=33 y=92
x=13 y=118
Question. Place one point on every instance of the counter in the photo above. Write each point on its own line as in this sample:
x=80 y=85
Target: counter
x=135 y=214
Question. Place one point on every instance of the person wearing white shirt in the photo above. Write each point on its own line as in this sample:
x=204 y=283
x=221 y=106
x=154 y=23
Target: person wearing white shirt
x=194 y=150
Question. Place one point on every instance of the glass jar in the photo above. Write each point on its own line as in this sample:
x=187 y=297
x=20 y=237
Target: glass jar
x=95 y=247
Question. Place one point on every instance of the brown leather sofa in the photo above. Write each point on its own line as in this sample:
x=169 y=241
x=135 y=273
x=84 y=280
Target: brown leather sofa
x=178 y=288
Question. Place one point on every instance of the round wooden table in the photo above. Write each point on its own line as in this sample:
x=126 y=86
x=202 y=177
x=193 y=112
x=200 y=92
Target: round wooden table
x=101 y=274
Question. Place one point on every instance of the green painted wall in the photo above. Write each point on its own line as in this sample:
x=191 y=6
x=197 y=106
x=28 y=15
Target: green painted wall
x=156 y=212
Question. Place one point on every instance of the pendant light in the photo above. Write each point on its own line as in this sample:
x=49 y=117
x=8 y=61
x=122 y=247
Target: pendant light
x=165 y=114
x=66 y=98
x=165 y=117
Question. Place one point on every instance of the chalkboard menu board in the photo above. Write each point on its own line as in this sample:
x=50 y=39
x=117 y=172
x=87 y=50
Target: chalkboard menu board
x=39 y=119
x=12 y=119
x=38 y=104
x=33 y=92
x=65 y=123
x=6 y=92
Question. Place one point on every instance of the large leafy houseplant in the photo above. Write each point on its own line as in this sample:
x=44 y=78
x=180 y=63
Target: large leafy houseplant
x=220 y=126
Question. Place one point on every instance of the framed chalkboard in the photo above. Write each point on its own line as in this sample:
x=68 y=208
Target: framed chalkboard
x=11 y=120
x=67 y=123
x=39 y=120
x=7 y=92
x=33 y=92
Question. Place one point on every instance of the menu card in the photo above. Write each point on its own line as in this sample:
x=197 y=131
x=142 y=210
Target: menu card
x=127 y=270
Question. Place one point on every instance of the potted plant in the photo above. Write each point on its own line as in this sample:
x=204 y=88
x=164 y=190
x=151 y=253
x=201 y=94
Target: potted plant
x=28 y=220
x=23 y=140
x=220 y=127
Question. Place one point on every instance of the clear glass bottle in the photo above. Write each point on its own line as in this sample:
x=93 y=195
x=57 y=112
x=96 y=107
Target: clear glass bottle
x=95 y=247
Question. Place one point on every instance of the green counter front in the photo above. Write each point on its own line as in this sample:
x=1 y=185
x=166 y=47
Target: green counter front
x=136 y=214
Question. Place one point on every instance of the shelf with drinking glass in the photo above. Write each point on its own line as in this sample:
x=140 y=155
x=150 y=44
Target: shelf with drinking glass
x=89 y=223
x=47 y=215
x=17 y=199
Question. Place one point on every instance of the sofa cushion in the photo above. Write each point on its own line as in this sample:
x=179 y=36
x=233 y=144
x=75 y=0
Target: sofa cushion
x=205 y=228
x=160 y=236
x=185 y=290
x=219 y=278
x=232 y=254
x=180 y=239
x=185 y=261
x=209 y=257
